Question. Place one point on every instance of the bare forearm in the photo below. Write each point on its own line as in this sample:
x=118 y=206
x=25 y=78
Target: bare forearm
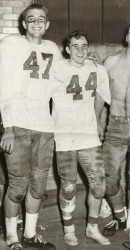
x=99 y=104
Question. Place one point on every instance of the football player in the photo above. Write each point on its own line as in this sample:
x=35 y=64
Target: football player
x=76 y=133
x=28 y=138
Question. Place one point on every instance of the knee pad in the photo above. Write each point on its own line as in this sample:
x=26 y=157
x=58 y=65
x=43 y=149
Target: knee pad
x=98 y=188
x=37 y=183
x=16 y=193
x=36 y=193
x=67 y=206
x=112 y=184
x=68 y=191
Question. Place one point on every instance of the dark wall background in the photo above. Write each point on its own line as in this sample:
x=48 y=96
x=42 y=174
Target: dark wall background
x=105 y=21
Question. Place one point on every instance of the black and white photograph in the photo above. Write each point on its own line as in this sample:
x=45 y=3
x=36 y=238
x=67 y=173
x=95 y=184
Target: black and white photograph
x=64 y=124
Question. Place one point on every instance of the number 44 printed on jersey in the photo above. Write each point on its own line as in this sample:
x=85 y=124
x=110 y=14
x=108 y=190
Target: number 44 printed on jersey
x=75 y=88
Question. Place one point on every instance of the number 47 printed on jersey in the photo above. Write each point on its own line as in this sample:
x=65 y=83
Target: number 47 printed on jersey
x=32 y=65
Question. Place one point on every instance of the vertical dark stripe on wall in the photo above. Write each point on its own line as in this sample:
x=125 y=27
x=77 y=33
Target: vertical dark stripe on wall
x=68 y=15
x=102 y=23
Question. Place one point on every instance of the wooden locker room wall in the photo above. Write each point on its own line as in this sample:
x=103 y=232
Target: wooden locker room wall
x=116 y=16
x=105 y=21
x=69 y=15
x=87 y=16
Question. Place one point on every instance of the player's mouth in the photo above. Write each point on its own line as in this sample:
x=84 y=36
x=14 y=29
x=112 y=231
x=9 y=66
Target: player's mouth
x=80 y=56
x=36 y=28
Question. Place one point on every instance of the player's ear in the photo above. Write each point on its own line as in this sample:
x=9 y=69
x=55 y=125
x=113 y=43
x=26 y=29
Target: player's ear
x=47 y=24
x=24 y=24
x=67 y=50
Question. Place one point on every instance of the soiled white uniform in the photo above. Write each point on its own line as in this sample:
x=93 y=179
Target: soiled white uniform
x=25 y=87
x=73 y=109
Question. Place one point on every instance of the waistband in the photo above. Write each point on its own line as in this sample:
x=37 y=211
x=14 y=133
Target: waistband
x=122 y=119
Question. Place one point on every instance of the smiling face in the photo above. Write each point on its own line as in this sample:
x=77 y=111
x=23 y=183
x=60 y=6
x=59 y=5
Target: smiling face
x=36 y=24
x=78 y=50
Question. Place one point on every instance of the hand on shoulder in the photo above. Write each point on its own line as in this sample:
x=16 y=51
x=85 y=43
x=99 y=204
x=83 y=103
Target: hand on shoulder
x=94 y=57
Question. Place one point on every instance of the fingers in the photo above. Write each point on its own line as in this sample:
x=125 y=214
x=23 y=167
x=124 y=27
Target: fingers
x=10 y=149
x=94 y=56
x=6 y=146
x=7 y=141
x=2 y=145
x=101 y=136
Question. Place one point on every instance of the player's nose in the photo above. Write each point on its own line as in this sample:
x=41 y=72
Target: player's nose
x=37 y=21
x=80 y=50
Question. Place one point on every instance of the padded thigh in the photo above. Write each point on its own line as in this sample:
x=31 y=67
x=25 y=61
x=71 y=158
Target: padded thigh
x=92 y=163
x=114 y=151
x=114 y=161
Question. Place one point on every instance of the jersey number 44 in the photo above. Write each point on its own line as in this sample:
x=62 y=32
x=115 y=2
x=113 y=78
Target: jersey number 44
x=75 y=88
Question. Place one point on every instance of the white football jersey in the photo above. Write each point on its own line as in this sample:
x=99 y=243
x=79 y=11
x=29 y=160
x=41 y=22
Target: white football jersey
x=25 y=87
x=73 y=108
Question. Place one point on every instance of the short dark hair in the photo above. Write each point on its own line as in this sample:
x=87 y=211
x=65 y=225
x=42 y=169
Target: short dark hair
x=34 y=6
x=76 y=34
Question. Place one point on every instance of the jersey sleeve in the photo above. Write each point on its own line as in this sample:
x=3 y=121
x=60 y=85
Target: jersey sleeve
x=57 y=58
x=56 y=75
x=6 y=80
x=103 y=85
x=56 y=52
